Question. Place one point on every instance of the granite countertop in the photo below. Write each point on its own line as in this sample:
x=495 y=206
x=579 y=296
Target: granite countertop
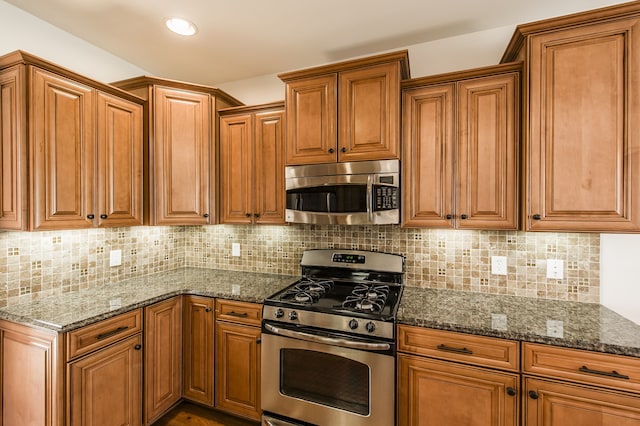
x=587 y=326
x=73 y=310
x=583 y=325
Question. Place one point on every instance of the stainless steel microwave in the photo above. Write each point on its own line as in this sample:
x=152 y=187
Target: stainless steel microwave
x=356 y=193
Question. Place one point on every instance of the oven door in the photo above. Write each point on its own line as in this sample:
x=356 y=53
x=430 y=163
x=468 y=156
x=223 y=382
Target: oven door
x=325 y=384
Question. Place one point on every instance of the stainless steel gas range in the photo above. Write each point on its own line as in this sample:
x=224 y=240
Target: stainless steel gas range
x=328 y=341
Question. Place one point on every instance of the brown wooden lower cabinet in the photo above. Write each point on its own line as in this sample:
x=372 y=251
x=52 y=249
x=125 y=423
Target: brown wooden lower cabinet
x=105 y=387
x=197 y=363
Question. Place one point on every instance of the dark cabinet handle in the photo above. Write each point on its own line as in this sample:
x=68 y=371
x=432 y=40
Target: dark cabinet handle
x=256 y=215
x=536 y=217
x=533 y=394
x=103 y=216
x=90 y=216
x=446 y=348
x=331 y=150
x=207 y=309
x=511 y=391
x=258 y=340
x=343 y=149
x=111 y=333
x=464 y=216
x=237 y=314
x=137 y=347
x=247 y=215
x=205 y=215
x=449 y=216
x=613 y=373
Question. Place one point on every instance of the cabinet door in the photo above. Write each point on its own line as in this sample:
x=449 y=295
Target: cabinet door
x=269 y=168
x=31 y=383
x=62 y=152
x=162 y=357
x=435 y=393
x=311 y=120
x=236 y=169
x=583 y=150
x=13 y=150
x=559 y=404
x=487 y=152
x=181 y=157
x=198 y=349
x=119 y=145
x=105 y=388
x=369 y=113
x=428 y=156
x=238 y=369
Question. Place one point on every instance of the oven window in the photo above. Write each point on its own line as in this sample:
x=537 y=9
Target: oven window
x=325 y=379
x=329 y=199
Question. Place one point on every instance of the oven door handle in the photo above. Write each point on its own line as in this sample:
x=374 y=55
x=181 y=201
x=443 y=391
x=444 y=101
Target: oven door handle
x=345 y=343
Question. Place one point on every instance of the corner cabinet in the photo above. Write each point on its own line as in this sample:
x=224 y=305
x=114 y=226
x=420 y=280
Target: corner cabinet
x=348 y=111
x=198 y=350
x=84 y=145
x=252 y=165
x=460 y=153
x=182 y=133
x=581 y=137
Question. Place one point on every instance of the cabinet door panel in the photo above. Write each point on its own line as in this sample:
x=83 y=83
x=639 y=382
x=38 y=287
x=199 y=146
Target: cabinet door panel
x=13 y=153
x=269 y=167
x=181 y=154
x=435 y=393
x=369 y=113
x=119 y=162
x=105 y=388
x=311 y=120
x=428 y=156
x=198 y=349
x=487 y=153
x=236 y=169
x=584 y=147
x=62 y=152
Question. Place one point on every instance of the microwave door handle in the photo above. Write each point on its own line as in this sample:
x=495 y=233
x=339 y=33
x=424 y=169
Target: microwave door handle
x=328 y=202
x=370 y=198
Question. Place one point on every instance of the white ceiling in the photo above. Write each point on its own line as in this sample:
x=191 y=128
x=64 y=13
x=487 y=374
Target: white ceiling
x=241 y=39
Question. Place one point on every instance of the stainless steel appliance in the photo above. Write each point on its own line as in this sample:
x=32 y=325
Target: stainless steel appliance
x=356 y=193
x=328 y=351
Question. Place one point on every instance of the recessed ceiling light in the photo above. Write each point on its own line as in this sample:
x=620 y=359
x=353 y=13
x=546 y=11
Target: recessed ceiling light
x=181 y=26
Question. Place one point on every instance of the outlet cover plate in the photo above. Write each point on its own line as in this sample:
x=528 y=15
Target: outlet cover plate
x=115 y=258
x=555 y=269
x=235 y=249
x=499 y=265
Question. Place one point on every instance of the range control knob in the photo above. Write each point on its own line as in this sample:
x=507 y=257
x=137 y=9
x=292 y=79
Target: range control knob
x=353 y=324
x=279 y=313
x=293 y=315
x=370 y=326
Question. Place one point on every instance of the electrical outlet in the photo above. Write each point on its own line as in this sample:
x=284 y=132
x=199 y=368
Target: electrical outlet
x=499 y=322
x=555 y=269
x=115 y=258
x=499 y=265
x=235 y=249
x=555 y=328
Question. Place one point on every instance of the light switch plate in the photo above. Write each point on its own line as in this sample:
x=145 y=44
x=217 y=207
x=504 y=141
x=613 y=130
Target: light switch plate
x=499 y=265
x=115 y=258
x=555 y=269
x=235 y=249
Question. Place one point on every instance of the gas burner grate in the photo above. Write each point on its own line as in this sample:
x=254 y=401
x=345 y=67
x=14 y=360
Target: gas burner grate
x=367 y=298
x=307 y=291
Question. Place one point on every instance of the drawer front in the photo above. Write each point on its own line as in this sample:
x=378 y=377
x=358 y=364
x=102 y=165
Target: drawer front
x=240 y=312
x=460 y=347
x=95 y=336
x=612 y=371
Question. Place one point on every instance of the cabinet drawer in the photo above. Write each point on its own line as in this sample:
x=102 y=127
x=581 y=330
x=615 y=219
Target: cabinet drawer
x=103 y=333
x=467 y=348
x=612 y=371
x=240 y=312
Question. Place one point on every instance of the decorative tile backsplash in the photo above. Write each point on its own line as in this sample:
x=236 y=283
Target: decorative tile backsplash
x=41 y=263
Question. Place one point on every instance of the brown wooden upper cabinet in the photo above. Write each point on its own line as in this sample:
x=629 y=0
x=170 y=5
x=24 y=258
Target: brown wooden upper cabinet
x=252 y=164
x=581 y=108
x=72 y=149
x=182 y=135
x=349 y=111
x=460 y=149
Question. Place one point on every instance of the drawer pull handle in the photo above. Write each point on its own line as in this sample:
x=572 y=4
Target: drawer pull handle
x=111 y=333
x=613 y=374
x=237 y=314
x=456 y=350
x=511 y=391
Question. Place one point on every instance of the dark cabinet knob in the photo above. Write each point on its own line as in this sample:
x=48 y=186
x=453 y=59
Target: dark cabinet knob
x=258 y=340
x=103 y=216
x=331 y=150
x=137 y=347
x=511 y=391
x=464 y=216
x=247 y=215
x=207 y=309
x=533 y=394
x=536 y=217
x=343 y=149
x=449 y=216
x=256 y=215
x=205 y=215
x=90 y=216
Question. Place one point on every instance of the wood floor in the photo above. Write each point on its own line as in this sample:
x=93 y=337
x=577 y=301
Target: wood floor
x=187 y=414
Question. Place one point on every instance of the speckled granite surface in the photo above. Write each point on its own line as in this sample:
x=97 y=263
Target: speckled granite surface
x=584 y=325
x=76 y=309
